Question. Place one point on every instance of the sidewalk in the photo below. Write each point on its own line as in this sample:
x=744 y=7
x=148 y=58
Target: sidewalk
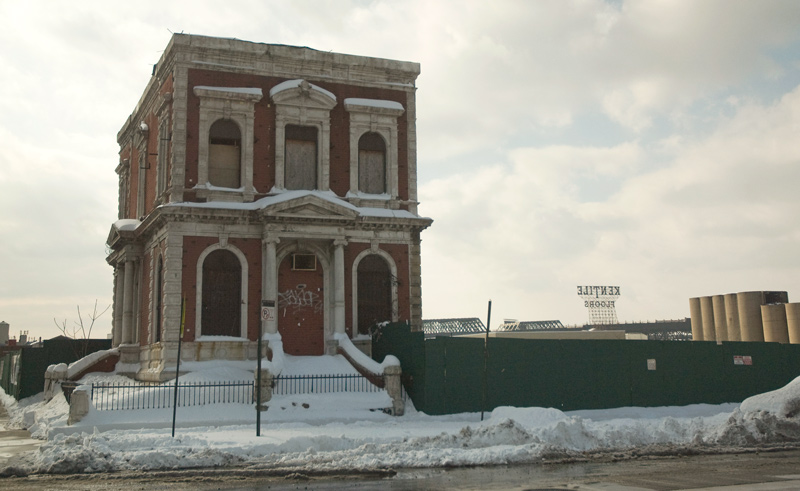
x=13 y=442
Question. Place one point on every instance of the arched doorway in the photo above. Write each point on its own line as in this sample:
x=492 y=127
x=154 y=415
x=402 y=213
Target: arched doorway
x=374 y=292
x=301 y=302
x=222 y=295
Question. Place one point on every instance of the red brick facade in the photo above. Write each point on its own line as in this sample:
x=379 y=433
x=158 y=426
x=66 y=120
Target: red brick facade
x=222 y=250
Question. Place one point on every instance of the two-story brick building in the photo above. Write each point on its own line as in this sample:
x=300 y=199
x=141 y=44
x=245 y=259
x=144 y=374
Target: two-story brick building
x=255 y=173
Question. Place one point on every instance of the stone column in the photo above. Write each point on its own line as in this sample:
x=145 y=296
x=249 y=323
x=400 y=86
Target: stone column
x=127 y=304
x=269 y=280
x=338 y=293
x=414 y=283
x=119 y=280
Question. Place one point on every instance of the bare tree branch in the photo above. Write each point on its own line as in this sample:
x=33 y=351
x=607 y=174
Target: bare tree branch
x=80 y=327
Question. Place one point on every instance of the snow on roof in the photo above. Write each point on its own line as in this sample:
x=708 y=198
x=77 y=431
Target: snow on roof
x=284 y=195
x=292 y=84
x=238 y=90
x=355 y=101
x=126 y=224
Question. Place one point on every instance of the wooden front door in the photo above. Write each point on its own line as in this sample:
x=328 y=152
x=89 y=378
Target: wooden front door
x=301 y=302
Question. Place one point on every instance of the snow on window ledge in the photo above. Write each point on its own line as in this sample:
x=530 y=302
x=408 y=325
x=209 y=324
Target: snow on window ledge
x=217 y=339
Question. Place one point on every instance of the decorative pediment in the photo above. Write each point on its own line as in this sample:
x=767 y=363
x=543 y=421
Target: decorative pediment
x=122 y=231
x=303 y=94
x=310 y=206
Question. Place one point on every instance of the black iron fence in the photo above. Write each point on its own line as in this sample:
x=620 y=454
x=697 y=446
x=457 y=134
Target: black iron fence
x=115 y=397
x=321 y=384
x=107 y=397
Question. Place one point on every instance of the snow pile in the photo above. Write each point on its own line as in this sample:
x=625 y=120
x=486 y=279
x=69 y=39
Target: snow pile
x=324 y=432
x=783 y=402
x=35 y=414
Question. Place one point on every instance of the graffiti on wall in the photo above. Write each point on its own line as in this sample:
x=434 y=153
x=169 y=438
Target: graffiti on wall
x=298 y=299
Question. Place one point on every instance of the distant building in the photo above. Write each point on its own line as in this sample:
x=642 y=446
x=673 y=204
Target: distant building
x=663 y=330
x=452 y=327
x=270 y=182
x=514 y=325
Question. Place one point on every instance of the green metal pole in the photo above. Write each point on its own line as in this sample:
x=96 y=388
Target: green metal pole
x=486 y=358
x=258 y=375
x=178 y=365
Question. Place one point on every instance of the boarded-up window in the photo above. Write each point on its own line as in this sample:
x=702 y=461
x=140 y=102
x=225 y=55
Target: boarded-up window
x=371 y=164
x=222 y=294
x=301 y=157
x=224 y=154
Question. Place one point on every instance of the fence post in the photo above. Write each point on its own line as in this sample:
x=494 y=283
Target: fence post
x=266 y=389
x=391 y=381
x=78 y=404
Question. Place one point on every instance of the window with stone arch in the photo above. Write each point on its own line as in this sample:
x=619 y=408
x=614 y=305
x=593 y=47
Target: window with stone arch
x=377 y=118
x=372 y=163
x=224 y=154
x=221 y=309
x=227 y=115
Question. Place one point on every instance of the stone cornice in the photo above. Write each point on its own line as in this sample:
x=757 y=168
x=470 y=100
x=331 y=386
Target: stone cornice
x=211 y=216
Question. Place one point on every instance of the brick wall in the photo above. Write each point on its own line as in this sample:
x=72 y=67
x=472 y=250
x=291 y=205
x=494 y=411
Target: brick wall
x=264 y=129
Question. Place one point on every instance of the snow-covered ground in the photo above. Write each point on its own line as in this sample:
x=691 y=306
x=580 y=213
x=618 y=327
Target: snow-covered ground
x=344 y=432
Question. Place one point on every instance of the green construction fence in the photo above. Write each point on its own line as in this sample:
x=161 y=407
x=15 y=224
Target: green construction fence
x=445 y=375
x=22 y=370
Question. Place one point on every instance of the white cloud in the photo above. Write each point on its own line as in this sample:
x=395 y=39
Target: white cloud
x=718 y=217
x=524 y=208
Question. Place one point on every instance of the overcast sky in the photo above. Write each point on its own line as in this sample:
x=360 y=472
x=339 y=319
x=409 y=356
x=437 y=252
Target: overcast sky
x=653 y=145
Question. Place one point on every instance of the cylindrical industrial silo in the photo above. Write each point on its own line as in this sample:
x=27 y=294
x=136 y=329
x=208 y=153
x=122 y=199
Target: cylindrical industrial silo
x=707 y=313
x=732 y=314
x=750 y=315
x=793 y=322
x=697 y=319
x=774 y=318
x=720 y=319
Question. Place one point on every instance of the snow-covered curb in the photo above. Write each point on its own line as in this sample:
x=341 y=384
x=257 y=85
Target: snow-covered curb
x=326 y=432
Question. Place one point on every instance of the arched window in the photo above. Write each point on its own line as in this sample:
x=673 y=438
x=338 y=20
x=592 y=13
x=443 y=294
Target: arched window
x=371 y=164
x=224 y=154
x=301 y=157
x=374 y=292
x=222 y=294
